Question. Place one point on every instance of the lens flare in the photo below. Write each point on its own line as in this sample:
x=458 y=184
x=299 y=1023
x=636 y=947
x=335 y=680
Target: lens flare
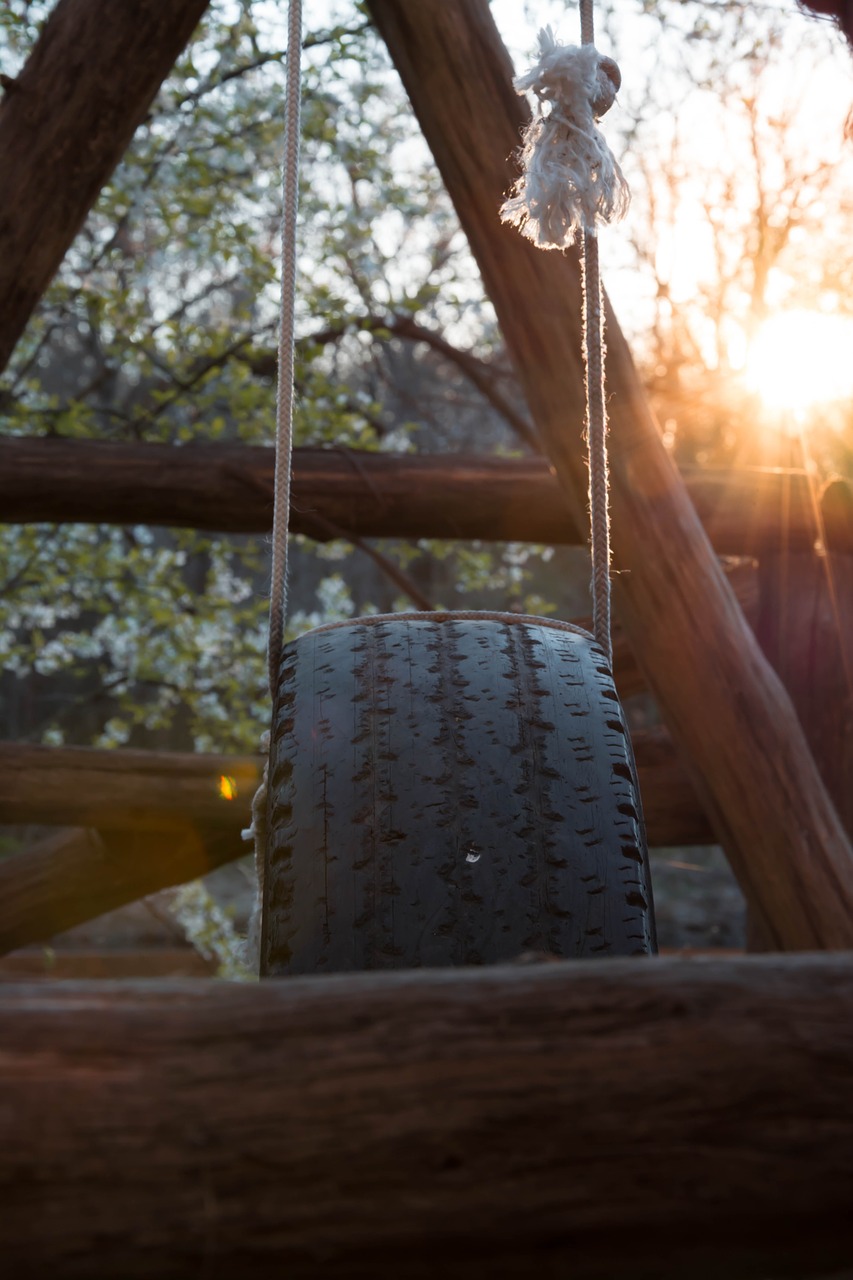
x=799 y=360
x=227 y=788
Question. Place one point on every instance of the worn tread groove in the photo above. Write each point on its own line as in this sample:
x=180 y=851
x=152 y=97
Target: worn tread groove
x=450 y=790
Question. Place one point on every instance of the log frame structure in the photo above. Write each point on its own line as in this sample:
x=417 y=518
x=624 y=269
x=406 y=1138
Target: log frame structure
x=652 y=1118
x=146 y=820
x=229 y=488
x=766 y=798
x=655 y=1118
x=723 y=703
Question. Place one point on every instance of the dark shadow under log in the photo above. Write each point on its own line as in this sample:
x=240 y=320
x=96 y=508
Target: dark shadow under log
x=593 y=1119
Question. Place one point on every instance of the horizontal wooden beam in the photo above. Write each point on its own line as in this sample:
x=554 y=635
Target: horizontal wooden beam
x=161 y=791
x=65 y=124
x=115 y=962
x=125 y=790
x=227 y=487
x=156 y=819
x=655 y=1118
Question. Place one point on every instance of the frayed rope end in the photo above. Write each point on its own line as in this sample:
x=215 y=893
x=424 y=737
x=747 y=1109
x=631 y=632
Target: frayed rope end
x=570 y=180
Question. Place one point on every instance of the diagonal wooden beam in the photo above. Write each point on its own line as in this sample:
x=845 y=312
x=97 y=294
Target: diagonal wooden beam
x=79 y=874
x=64 y=125
x=724 y=705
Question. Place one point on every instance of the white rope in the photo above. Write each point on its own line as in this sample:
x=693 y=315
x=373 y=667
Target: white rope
x=569 y=177
x=596 y=410
x=569 y=183
x=284 y=407
x=256 y=833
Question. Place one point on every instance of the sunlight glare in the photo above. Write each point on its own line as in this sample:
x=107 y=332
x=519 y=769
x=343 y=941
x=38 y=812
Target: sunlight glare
x=801 y=359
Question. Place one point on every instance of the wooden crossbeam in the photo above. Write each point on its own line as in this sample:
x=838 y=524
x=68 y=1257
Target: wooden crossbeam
x=157 y=791
x=652 y=1118
x=226 y=487
x=155 y=819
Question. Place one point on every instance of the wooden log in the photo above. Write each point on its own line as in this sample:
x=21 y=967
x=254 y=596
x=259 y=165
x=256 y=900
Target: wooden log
x=228 y=488
x=163 y=821
x=65 y=123
x=79 y=874
x=804 y=624
x=594 y=1119
x=162 y=791
x=125 y=790
x=723 y=703
x=64 y=964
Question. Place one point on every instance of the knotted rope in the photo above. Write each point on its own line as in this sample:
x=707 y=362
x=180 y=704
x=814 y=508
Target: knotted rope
x=570 y=181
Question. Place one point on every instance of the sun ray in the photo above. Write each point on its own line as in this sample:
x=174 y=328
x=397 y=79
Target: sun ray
x=800 y=360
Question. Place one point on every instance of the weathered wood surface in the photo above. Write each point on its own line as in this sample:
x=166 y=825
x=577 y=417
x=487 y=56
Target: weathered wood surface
x=43 y=964
x=226 y=487
x=804 y=623
x=805 y=626
x=158 y=819
x=722 y=702
x=645 y=1118
x=139 y=790
x=155 y=791
x=79 y=874
x=65 y=123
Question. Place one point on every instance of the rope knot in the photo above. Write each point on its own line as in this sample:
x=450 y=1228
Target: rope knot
x=608 y=82
x=570 y=179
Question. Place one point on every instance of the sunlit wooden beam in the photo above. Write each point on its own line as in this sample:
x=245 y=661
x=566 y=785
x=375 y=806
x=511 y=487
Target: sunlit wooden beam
x=229 y=488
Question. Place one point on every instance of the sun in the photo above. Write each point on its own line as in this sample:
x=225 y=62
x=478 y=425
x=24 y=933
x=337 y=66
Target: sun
x=800 y=360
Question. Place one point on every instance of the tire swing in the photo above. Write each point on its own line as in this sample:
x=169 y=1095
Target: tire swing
x=458 y=788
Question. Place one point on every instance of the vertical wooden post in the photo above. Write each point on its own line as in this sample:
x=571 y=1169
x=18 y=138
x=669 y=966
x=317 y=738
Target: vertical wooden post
x=805 y=627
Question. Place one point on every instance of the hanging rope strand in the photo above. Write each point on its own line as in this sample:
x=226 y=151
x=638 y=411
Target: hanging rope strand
x=284 y=405
x=587 y=22
x=596 y=420
x=596 y=412
x=570 y=181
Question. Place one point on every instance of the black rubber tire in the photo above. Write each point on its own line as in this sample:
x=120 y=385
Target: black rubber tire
x=450 y=789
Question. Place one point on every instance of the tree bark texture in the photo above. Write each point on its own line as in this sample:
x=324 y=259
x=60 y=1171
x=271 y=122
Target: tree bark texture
x=652 y=1118
x=65 y=123
x=229 y=488
x=723 y=703
x=156 y=819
